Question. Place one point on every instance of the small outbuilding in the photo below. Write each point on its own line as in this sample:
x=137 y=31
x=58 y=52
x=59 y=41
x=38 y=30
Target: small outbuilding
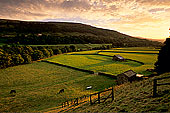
x=127 y=76
x=118 y=58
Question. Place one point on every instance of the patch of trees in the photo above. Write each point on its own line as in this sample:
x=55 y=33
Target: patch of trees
x=16 y=54
x=162 y=65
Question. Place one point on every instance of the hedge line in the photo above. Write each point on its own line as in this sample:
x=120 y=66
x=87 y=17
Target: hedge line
x=83 y=70
x=106 y=74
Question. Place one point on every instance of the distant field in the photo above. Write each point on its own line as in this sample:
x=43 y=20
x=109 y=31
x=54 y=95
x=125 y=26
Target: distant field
x=142 y=50
x=105 y=64
x=37 y=86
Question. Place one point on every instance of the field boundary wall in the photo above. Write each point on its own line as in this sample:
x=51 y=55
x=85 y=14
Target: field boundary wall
x=83 y=70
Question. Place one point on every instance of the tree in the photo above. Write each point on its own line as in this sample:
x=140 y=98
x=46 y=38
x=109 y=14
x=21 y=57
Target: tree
x=51 y=52
x=73 y=48
x=5 y=60
x=27 y=58
x=17 y=59
x=37 y=55
x=162 y=65
x=45 y=52
x=57 y=51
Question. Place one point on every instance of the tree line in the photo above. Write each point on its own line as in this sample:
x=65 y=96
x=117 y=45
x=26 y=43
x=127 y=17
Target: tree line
x=46 y=39
x=15 y=54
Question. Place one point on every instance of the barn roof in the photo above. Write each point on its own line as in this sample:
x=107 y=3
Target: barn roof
x=130 y=73
x=120 y=57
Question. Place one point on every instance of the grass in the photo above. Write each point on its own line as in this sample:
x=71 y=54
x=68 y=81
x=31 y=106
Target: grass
x=135 y=97
x=37 y=86
x=106 y=64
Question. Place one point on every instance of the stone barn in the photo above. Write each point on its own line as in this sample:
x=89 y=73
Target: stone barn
x=127 y=76
x=118 y=58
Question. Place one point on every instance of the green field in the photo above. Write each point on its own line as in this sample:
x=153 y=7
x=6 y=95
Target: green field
x=99 y=63
x=37 y=86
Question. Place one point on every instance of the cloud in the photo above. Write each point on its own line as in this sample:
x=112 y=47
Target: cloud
x=154 y=2
x=124 y=15
x=156 y=10
x=75 y=4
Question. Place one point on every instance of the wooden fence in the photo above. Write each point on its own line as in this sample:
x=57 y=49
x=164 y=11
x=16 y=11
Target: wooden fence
x=101 y=99
x=76 y=101
x=155 y=84
x=90 y=98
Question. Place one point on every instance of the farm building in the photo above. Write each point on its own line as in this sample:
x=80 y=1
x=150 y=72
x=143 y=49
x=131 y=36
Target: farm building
x=127 y=76
x=118 y=58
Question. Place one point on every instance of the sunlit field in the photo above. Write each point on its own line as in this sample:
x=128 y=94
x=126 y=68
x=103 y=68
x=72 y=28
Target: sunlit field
x=99 y=63
x=37 y=86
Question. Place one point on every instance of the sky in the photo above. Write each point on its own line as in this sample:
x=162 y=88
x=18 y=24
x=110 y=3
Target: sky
x=139 y=18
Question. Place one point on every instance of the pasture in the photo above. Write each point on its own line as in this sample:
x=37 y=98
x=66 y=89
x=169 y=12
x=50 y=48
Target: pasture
x=37 y=86
x=95 y=61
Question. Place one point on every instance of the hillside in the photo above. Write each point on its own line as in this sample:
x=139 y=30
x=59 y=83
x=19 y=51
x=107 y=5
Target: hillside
x=35 y=33
x=135 y=97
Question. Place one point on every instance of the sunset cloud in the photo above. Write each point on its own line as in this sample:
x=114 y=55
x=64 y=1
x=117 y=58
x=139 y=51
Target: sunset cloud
x=134 y=17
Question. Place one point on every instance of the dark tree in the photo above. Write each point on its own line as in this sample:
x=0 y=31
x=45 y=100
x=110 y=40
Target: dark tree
x=162 y=65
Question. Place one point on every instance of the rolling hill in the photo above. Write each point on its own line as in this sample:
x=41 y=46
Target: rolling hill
x=35 y=33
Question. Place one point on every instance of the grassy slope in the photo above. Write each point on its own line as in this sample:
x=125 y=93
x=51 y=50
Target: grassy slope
x=37 y=85
x=135 y=97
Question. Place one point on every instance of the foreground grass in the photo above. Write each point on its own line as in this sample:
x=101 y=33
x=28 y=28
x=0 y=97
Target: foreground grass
x=135 y=97
x=37 y=86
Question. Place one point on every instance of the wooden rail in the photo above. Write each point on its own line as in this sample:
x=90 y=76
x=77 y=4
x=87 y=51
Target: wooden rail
x=155 y=84
x=75 y=101
x=99 y=97
x=83 y=99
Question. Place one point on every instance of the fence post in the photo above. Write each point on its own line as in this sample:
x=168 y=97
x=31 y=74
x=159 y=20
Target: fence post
x=62 y=105
x=112 y=94
x=68 y=103
x=77 y=101
x=154 y=87
x=90 y=100
x=99 y=97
